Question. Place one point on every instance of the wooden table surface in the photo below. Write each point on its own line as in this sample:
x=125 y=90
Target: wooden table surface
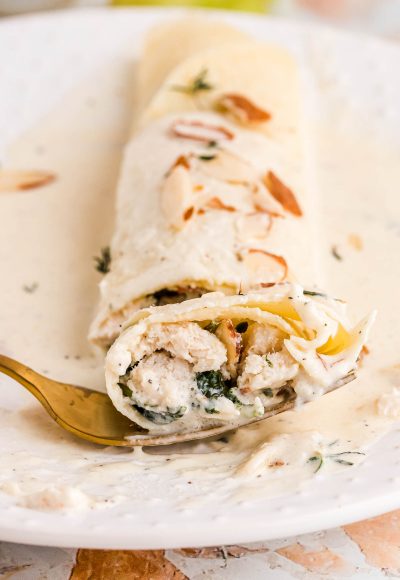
x=364 y=550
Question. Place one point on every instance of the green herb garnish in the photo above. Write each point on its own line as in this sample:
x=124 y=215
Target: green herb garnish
x=336 y=254
x=30 y=288
x=102 y=262
x=311 y=293
x=126 y=391
x=269 y=363
x=160 y=418
x=318 y=460
x=211 y=384
x=212 y=326
x=207 y=157
x=336 y=457
x=199 y=83
x=268 y=392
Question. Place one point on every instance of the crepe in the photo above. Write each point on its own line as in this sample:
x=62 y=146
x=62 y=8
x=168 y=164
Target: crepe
x=214 y=231
x=212 y=193
x=219 y=359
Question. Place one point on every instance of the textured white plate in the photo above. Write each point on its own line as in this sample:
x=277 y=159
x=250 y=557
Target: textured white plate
x=45 y=56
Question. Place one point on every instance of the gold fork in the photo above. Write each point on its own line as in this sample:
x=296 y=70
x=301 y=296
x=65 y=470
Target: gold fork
x=90 y=415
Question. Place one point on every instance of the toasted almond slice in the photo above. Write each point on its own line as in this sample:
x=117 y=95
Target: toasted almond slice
x=364 y=352
x=283 y=194
x=188 y=213
x=227 y=166
x=272 y=214
x=181 y=160
x=198 y=131
x=11 y=180
x=264 y=202
x=253 y=225
x=232 y=341
x=176 y=194
x=242 y=109
x=216 y=203
x=356 y=241
x=263 y=267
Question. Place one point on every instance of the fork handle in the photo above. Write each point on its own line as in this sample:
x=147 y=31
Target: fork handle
x=19 y=372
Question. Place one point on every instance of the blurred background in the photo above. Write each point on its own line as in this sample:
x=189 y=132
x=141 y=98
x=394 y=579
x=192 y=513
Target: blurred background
x=375 y=16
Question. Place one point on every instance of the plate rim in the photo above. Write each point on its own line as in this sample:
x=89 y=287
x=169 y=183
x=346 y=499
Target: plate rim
x=158 y=538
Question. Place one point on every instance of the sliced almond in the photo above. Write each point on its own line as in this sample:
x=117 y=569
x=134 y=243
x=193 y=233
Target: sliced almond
x=272 y=214
x=254 y=225
x=232 y=341
x=188 y=213
x=364 y=352
x=356 y=241
x=181 y=160
x=282 y=193
x=216 y=203
x=242 y=109
x=263 y=267
x=264 y=202
x=176 y=196
x=21 y=180
x=227 y=166
x=198 y=131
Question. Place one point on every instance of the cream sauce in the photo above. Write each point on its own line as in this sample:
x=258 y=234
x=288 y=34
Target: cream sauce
x=49 y=236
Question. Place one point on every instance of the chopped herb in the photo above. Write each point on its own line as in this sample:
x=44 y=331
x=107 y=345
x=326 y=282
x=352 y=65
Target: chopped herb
x=242 y=327
x=30 y=288
x=126 y=391
x=211 y=411
x=310 y=293
x=103 y=261
x=212 y=326
x=160 y=418
x=336 y=457
x=318 y=460
x=268 y=392
x=212 y=144
x=336 y=254
x=207 y=157
x=199 y=83
x=211 y=384
x=229 y=394
x=270 y=363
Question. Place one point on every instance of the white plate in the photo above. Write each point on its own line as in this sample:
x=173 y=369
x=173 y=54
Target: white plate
x=44 y=57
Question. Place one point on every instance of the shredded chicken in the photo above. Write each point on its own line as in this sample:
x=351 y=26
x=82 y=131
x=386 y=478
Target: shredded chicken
x=159 y=381
x=261 y=339
x=269 y=371
x=188 y=341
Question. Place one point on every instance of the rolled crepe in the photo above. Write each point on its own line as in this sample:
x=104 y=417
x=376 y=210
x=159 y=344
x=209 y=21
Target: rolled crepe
x=212 y=189
x=212 y=197
x=220 y=359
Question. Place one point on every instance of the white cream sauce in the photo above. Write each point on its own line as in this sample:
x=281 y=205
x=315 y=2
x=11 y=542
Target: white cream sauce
x=49 y=237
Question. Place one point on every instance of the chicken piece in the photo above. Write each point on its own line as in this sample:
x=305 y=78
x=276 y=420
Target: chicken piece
x=232 y=341
x=262 y=339
x=162 y=382
x=188 y=341
x=271 y=371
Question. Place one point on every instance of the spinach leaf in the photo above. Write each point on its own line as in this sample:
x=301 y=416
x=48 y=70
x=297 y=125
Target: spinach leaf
x=126 y=391
x=160 y=418
x=211 y=384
